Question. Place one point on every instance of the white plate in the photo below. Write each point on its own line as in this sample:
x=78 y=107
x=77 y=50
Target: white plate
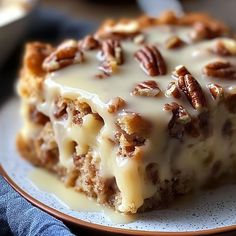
x=209 y=212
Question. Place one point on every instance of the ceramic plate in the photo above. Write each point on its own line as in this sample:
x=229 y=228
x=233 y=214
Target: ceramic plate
x=211 y=211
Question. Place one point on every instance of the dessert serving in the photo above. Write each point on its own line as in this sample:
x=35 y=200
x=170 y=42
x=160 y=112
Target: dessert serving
x=138 y=113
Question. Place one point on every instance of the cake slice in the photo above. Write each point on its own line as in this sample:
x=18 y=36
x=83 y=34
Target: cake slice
x=140 y=112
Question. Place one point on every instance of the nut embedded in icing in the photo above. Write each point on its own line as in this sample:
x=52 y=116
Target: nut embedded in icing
x=151 y=61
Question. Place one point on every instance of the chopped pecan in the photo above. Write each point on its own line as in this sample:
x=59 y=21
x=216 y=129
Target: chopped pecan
x=220 y=69
x=203 y=31
x=224 y=47
x=180 y=113
x=147 y=88
x=37 y=116
x=133 y=124
x=178 y=121
x=151 y=61
x=129 y=146
x=216 y=91
x=112 y=51
x=122 y=30
x=78 y=111
x=35 y=55
x=193 y=91
x=60 y=109
x=108 y=68
x=172 y=90
x=116 y=104
x=66 y=54
x=89 y=43
x=174 y=42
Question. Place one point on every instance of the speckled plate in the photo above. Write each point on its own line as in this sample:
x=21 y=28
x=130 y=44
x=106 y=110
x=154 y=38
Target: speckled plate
x=213 y=211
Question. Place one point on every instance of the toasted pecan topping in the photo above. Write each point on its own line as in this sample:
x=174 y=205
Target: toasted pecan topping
x=190 y=87
x=133 y=124
x=116 y=104
x=147 y=88
x=220 y=69
x=124 y=27
x=180 y=118
x=220 y=49
x=151 y=61
x=89 y=43
x=66 y=54
x=180 y=114
x=172 y=90
x=216 y=91
x=174 y=42
x=119 y=30
x=204 y=31
x=112 y=51
x=111 y=56
x=35 y=55
x=193 y=91
x=224 y=47
x=108 y=68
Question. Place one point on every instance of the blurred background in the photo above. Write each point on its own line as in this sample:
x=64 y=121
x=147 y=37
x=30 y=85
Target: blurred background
x=54 y=20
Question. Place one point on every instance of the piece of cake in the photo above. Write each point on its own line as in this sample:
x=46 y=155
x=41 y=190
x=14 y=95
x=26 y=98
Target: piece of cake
x=140 y=112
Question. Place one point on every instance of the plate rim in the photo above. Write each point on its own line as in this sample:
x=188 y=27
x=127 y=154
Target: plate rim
x=108 y=229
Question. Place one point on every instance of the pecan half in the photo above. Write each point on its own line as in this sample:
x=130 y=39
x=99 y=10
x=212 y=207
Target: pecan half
x=89 y=43
x=116 y=104
x=173 y=91
x=224 y=47
x=203 y=31
x=220 y=69
x=216 y=91
x=174 y=42
x=66 y=54
x=178 y=121
x=151 y=61
x=147 y=88
x=193 y=91
x=112 y=51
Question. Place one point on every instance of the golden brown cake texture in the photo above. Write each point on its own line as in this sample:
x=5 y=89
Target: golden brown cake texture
x=136 y=114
